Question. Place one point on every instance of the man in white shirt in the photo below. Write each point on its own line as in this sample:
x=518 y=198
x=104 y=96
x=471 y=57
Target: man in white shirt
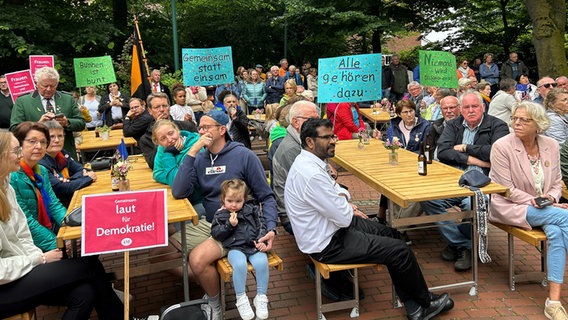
x=332 y=230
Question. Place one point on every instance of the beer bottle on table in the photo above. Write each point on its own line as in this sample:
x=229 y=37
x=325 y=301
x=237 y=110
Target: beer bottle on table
x=428 y=150
x=422 y=169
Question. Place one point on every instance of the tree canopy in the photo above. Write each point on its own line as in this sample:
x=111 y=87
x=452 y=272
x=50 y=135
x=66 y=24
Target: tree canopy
x=264 y=31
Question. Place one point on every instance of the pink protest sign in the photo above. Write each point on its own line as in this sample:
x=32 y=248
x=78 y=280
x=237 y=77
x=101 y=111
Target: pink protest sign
x=37 y=62
x=124 y=221
x=20 y=83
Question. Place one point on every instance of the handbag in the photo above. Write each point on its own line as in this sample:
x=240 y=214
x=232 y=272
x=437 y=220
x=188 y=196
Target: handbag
x=473 y=180
x=101 y=164
x=74 y=218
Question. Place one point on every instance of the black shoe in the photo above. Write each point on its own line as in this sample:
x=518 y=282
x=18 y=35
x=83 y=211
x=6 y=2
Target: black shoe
x=327 y=291
x=380 y=220
x=436 y=307
x=406 y=238
x=449 y=304
x=450 y=253
x=464 y=260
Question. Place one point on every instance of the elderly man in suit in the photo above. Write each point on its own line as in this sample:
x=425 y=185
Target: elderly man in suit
x=46 y=103
x=157 y=85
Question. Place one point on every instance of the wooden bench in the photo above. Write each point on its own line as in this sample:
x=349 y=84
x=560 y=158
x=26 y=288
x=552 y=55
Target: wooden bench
x=324 y=270
x=23 y=316
x=226 y=273
x=535 y=237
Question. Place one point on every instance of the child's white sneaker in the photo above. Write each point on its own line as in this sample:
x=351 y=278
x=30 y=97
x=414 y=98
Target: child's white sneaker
x=243 y=305
x=261 y=306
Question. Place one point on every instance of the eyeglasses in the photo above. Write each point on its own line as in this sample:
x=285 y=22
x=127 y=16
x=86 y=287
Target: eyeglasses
x=34 y=142
x=328 y=137
x=465 y=62
x=521 y=120
x=207 y=127
x=549 y=85
x=17 y=151
x=3 y=82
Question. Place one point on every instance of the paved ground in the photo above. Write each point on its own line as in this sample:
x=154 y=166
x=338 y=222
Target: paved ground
x=291 y=292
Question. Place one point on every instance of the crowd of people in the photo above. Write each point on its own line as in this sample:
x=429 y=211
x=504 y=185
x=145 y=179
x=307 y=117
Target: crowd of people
x=197 y=140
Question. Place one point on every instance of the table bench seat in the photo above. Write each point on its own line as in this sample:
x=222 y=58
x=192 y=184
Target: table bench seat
x=535 y=237
x=23 y=316
x=225 y=271
x=324 y=270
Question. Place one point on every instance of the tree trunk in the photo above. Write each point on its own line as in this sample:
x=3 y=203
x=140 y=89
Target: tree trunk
x=549 y=23
x=376 y=41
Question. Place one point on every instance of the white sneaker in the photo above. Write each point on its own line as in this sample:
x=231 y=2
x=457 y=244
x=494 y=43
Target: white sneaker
x=216 y=314
x=555 y=311
x=261 y=306
x=243 y=305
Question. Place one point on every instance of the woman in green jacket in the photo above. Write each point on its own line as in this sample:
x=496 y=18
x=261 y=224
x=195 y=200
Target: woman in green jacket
x=35 y=196
x=173 y=146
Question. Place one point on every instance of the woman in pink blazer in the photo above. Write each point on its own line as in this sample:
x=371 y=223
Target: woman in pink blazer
x=528 y=163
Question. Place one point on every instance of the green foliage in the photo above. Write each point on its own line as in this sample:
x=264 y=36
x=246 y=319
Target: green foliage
x=257 y=30
x=492 y=26
x=170 y=79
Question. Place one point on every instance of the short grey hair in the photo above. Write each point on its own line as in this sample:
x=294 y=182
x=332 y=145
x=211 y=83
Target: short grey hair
x=476 y=93
x=414 y=84
x=299 y=108
x=507 y=84
x=156 y=95
x=46 y=73
x=53 y=125
x=534 y=111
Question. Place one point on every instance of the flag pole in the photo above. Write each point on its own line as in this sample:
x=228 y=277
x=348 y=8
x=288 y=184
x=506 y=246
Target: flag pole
x=142 y=47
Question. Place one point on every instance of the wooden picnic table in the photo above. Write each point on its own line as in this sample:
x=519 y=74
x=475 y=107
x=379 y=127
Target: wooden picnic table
x=402 y=185
x=93 y=144
x=379 y=116
x=140 y=176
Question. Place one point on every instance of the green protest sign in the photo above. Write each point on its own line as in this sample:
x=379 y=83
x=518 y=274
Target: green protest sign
x=93 y=71
x=438 y=69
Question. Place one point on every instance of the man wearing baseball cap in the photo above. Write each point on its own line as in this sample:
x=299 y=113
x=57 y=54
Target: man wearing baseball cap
x=222 y=160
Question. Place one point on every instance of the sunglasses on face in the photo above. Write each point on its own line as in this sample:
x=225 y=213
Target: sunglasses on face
x=549 y=85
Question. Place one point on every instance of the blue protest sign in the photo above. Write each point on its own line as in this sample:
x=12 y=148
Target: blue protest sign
x=350 y=78
x=204 y=67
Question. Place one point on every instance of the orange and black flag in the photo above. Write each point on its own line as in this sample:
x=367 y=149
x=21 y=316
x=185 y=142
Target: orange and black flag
x=139 y=84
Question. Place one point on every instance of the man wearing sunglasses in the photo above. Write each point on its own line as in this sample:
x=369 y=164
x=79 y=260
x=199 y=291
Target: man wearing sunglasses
x=543 y=87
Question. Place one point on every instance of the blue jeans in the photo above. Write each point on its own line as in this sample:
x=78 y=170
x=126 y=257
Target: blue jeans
x=554 y=222
x=458 y=236
x=259 y=261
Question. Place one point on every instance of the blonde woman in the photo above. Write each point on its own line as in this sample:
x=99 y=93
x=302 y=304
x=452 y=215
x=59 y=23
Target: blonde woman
x=30 y=277
x=290 y=91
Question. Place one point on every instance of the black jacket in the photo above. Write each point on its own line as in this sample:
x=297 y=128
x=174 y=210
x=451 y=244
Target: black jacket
x=250 y=228
x=239 y=129
x=490 y=130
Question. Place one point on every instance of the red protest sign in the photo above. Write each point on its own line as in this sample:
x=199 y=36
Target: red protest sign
x=124 y=221
x=20 y=83
x=38 y=62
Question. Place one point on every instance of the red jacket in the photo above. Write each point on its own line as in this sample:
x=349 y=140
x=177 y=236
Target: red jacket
x=343 y=125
